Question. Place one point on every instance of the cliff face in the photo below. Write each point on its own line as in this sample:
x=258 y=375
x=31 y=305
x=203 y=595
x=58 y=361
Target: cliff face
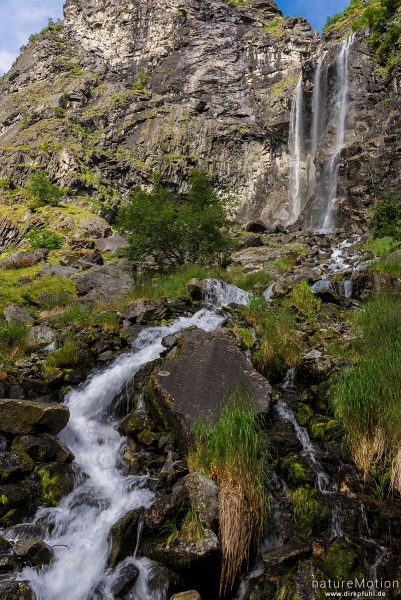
x=122 y=89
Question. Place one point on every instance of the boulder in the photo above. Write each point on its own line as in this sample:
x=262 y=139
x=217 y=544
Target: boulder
x=16 y=314
x=164 y=508
x=16 y=501
x=189 y=595
x=286 y=554
x=123 y=536
x=14 y=465
x=107 y=281
x=251 y=241
x=369 y=282
x=56 y=481
x=89 y=260
x=43 y=448
x=111 y=244
x=33 y=552
x=199 y=380
x=256 y=227
x=145 y=311
x=26 y=417
x=203 y=493
x=5 y=545
x=21 y=260
x=325 y=290
x=8 y=563
x=15 y=590
x=196 y=289
x=125 y=578
x=40 y=336
x=59 y=270
x=92 y=227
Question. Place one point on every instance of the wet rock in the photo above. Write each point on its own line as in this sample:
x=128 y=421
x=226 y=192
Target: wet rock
x=27 y=417
x=15 y=590
x=183 y=554
x=56 y=481
x=8 y=563
x=203 y=495
x=316 y=366
x=5 y=545
x=287 y=554
x=189 y=595
x=144 y=311
x=164 y=508
x=196 y=289
x=14 y=465
x=325 y=290
x=198 y=381
x=43 y=448
x=125 y=578
x=16 y=501
x=33 y=552
x=123 y=536
x=16 y=314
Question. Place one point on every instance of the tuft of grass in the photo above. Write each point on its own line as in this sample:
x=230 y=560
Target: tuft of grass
x=256 y=281
x=232 y=452
x=367 y=396
x=65 y=357
x=382 y=246
x=73 y=314
x=389 y=265
x=280 y=347
x=192 y=527
x=303 y=299
x=108 y=320
x=170 y=531
x=13 y=341
x=282 y=263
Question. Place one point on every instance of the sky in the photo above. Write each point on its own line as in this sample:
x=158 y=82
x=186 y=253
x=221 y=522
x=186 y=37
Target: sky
x=20 y=18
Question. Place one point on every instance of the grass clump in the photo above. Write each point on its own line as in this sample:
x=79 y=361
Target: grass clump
x=382 y=246
x=386 y=218
x=13 y=341
x=65 y=357
x=303 y=299
x=390 y=265
x=256 y=281
x=232 y=452
x=280 y=347
x=172 y=284
x=43 y=238
x=367 y=396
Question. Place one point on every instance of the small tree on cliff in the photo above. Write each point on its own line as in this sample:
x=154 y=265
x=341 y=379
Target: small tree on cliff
x=174 y=230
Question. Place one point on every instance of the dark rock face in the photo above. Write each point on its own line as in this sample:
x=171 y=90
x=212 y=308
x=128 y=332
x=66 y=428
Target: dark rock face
x=197 y=382
x=26 y=417
x=15 y=590
x=33 y=552
x=123 y=536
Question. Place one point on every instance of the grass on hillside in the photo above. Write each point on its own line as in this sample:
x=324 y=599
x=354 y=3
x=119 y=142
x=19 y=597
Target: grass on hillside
x=13 y=342
x=382 y=246
x=232 y=452
x=280 y=347
x=367 y=396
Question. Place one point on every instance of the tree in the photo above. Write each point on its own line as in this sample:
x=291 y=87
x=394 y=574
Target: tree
x=386 y=219
x=174 y=230
x=42 y=191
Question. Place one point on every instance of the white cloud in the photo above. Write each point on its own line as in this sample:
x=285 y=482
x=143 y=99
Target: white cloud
x=18 y=20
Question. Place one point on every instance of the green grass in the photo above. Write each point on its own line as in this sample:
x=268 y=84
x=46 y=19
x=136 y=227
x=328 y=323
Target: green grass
x=13 y=342
x=280 y=347
x=382 y=246
x=303 y=299
x=65 y=357
x=256 y=281
x=367 y=396
x=392 y=266
x=282 y=263
x=308 y=511
x=11 y=289
x=233 y=452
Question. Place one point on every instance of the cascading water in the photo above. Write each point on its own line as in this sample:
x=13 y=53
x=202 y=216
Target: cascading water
x=295 y=148
x=318 y=116
x=340 y=115
x=82 y=521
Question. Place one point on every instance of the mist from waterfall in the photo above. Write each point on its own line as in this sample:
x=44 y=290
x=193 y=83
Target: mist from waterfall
x=322 y=179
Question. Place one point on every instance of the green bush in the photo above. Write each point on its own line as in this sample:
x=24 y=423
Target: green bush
x=42 y=191
x=386 y=219
x=43 y=238
x=173 y=230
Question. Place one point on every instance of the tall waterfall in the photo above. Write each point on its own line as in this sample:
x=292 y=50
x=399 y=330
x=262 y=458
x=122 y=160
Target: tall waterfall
x=340 y=109
x=295 y=146
x=322 y=180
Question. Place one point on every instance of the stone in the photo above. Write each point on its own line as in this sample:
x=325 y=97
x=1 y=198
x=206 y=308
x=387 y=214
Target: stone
x=103 y=282
x=59 y=270
x=40 y=336
x=56 y=481
x=286 y=554
x=14 y=465
x=368 y=282
x=252 y=241
x=18 y=499
x=196 y=289
x=189 y=595
x=89 y=260
x=92 y=227
x=22 y=260
x=27 y=417
x=199 y=380
x=113 y=243
x=5 y=545
x=43 y=448
x=164 y=508
x=145 y=311
x=15 y=590
x=256 y=227
x=124 y=579
x=8 y=563
x=17 y=314
x=325 y=290
x=203 y=495
x=123 y=536
x=33 y=552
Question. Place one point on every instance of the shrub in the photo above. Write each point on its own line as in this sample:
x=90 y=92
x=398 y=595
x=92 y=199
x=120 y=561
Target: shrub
x=42 y=191
x=174 y=230
x=43 y=238
x=280 y=347
x=233 y=452
x=386 y=220
x=59 y=112
x=367 y=396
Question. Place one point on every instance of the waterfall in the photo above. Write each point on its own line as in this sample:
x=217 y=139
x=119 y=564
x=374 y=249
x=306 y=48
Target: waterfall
x=340 y=115
x=80 y=524
x=295 y=143
x=318 y=116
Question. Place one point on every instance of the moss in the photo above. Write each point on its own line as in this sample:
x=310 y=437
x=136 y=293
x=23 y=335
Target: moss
x=340 y=560
x=51 y=494
x=324 y=428
x=309 y=512
x=8 y=518
x=294 y=468
x=304 y=414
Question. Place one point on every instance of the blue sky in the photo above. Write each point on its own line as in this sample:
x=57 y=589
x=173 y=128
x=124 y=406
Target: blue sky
x=20 y=18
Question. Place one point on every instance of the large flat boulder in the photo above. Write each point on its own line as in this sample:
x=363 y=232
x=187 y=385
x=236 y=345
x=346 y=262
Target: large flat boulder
x=198 y=381
x=24 y=417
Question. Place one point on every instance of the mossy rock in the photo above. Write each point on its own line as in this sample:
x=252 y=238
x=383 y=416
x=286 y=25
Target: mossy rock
x=304 y=414
x=340 y=560
x=296 y=469
x=57 y=480
x=14 y=465
x=324 y=428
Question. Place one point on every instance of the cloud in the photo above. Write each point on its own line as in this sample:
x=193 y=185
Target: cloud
x=18 y=20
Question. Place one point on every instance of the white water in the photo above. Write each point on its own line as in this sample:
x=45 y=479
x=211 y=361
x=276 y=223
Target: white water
x=83 y=519
x=340 y=117
x=295 y=143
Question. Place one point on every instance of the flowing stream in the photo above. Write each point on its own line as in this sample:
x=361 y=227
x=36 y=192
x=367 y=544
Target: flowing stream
x=295 y=143
x=81 y=523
